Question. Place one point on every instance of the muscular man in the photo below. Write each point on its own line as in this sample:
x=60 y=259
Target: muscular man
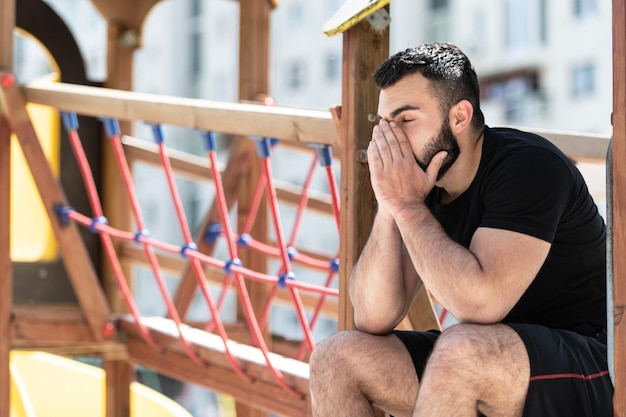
x=498 y=225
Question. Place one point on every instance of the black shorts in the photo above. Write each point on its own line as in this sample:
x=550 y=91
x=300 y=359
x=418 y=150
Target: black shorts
x=569 y=372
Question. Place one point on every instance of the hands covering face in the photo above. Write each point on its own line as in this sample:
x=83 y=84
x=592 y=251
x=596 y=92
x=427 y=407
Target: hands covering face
x=397 y=179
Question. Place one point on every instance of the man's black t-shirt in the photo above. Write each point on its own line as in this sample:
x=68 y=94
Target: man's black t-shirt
x=525 y=184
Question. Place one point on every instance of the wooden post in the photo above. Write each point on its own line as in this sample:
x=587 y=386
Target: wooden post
x=619 y=204
x=120 y=56
x=363 y=50
x=7 y=23
x=254 y=41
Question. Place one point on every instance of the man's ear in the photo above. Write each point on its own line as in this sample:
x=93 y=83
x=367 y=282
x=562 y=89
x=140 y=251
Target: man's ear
x=461 y=116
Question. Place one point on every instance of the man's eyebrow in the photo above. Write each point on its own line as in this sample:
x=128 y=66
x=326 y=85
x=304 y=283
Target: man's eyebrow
x=399 y=110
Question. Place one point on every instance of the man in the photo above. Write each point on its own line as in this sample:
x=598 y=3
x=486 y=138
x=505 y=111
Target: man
x=498 y=225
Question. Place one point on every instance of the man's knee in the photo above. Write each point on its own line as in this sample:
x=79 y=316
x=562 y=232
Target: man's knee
x=333 y=352
x=474 y=347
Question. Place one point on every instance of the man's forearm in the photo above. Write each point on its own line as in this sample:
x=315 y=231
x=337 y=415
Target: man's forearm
x=377 y=287
x=440 y=261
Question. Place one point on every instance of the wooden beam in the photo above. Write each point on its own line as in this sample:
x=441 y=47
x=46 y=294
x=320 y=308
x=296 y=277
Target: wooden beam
x=119 y=375
x=7 y=24
x=254 y=55
x=6 y=274
x=126 y=14
x=619 y=205
x=217 y=374
x=363 y=50
x=72 y=248
x=288 y=124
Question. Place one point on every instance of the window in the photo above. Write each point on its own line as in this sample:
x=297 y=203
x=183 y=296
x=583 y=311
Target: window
x=196 y=8
x=525 y=23
x=439 y=22
x=295 y=75
x=196 y=54
x=438 y=4
x=583 y=80
x=584 y=8
x=333 y=68
x=517 y=95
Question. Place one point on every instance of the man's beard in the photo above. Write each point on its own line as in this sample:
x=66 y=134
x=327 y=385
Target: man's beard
x=444 y=141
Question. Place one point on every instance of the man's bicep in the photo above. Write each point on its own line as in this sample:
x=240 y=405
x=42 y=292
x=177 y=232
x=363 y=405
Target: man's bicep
x=510 y=262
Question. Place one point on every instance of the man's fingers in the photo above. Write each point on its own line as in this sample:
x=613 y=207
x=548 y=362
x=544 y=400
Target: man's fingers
x=435 y=164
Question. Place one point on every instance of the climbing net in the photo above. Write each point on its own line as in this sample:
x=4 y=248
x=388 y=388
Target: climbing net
x=234 y=272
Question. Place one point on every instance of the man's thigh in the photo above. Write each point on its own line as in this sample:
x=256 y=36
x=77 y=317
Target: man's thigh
x=569 y=373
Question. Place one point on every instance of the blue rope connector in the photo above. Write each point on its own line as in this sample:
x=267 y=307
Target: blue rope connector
x=264 y=147
x=208 y=138
x=244 y=240
x=212 y=233
x=189 y=246
x=95 y=222
x=285 y=277
x=70 y=121
x=334 y=264
x=111 y=127
x=64 y=213
x=157 y=133
x=324 y=154
x=139 y=234
x=292 y=253
x=229 y=265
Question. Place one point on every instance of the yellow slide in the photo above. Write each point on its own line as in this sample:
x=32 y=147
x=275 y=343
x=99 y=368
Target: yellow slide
x=45 y=385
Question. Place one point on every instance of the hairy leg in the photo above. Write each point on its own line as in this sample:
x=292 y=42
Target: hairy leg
x=475 y=368
x=353 y=373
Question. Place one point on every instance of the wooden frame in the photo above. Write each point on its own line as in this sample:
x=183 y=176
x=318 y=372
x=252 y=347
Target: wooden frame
x=20 y=329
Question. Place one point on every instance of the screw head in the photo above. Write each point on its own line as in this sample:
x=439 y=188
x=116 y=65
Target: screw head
x=7 y=80
x=108 y=329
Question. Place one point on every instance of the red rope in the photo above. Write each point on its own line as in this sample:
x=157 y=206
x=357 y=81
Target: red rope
x=134 y=202
x=273 y=203
x=244 y=297
x=96 y=208
x=195 y=263
x=233 y=268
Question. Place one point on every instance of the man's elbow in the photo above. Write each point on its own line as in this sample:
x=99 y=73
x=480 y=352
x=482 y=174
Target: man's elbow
x=373 y=326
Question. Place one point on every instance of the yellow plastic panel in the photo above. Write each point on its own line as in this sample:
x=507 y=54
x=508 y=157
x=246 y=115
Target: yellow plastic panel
x=61 y=387
x=32 y=238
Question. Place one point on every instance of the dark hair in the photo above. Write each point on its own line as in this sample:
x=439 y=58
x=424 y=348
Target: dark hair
x=448 y=69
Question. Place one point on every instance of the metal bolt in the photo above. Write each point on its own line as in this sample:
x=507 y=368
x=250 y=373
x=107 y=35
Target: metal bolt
x=372 y=117
x=361 y=156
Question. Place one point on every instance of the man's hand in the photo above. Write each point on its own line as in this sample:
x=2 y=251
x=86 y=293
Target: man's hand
x=397 y=179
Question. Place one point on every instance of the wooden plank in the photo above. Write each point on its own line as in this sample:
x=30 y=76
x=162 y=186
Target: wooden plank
x=422 y=315
x=619 y=204
x=363 y=50
x=254 y=54
x=6 y=274
x=49 y=327
x=120 y=59
x=72 y=248
x=196 y=168
x=130 y=15
x=119 y=375
x=191 y=166
x=175 y=265
x=263 y=393
x=7 y=24
x=288 y=124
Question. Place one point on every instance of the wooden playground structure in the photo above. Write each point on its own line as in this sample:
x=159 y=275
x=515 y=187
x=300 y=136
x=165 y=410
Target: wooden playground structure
x=99 y=321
